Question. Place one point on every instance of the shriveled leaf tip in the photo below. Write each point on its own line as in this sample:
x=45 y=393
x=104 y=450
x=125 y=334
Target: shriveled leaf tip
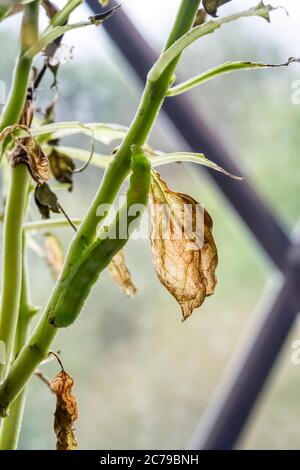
x=98 y=19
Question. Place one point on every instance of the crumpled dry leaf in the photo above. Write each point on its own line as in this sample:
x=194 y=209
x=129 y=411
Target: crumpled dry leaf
x=58 y=55
x=32 y=155
x=46 y=201
x=184 y=252
x=50 y=8
x=35 y=159
x=62 y=167
x=121 y=275
x=66 y=411
x=54 y=253
x=49 y=113
x=211 y=6
x=200 y=17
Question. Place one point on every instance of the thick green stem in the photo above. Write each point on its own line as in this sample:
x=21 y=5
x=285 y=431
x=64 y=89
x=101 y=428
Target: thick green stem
x=17 y=96
x=12 y=259
x=39 y=343
x=11 y=426
x=17 y=195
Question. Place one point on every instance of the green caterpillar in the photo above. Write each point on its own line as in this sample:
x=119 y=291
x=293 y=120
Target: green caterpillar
x=67 y=306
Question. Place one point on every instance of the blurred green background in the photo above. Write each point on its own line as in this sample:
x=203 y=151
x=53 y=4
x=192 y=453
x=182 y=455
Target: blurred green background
x=142 y=377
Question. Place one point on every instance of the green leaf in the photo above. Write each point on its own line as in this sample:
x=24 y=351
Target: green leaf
x=156 y=158
x=103 y=132
x=50 y=36
x=53 y=33
x=209 y=27
x=49 y=224
x=222 y=69
x=190 y=157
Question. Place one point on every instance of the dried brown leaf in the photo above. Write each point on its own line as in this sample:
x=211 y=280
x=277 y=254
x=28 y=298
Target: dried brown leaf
x=28 y=151
x=62 y=167
x=211 y=6
x=46 y=201
x=37 y=162
x=200 y=17
x=121 y=275
x=184 y=252
x=66 y=411
x=54 y=253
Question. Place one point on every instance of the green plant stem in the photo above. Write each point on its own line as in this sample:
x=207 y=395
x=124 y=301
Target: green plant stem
x=62 y=15
x=66 y=306
x=39 y=343
x=17 y=195
x=12 y=259
x=17 y=96
x=11 y=426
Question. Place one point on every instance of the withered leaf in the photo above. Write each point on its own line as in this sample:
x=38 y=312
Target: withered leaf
x=184 y=252
x=211 y=6
x=58 y=55
x=49 y=114
x=27 y=115
x=66 y=411
x=50 y=8
x=8 y=132
x=54 y=253
x=98 y=19
x=46 y=201
x=200 y=17
x=62 y=167
x=35 y=159
x=121 y=275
